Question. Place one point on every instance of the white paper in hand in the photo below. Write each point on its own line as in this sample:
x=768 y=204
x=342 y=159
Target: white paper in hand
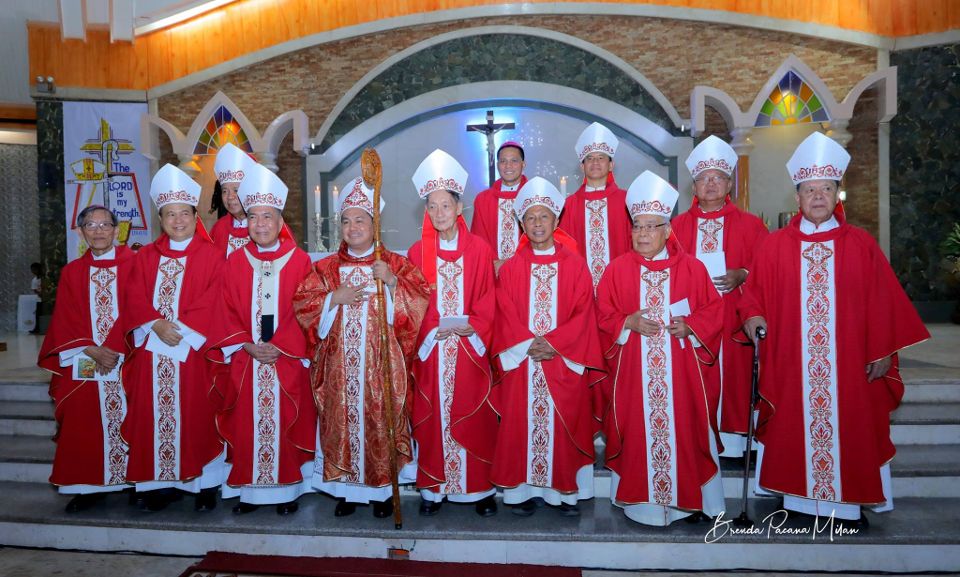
x=681 y=308
x=178 y=353
x=453 y=322
x=716 y=263
x=193 y=338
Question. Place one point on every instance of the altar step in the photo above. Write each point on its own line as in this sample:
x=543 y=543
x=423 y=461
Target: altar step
x=921 y=535
x=914 y=423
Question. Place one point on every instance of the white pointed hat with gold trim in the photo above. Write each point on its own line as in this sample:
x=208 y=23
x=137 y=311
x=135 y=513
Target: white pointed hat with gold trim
x=818 y=157
x=170 y=185
x=650 y=194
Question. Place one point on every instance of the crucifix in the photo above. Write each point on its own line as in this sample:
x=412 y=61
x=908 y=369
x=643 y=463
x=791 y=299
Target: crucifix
x=490 y=128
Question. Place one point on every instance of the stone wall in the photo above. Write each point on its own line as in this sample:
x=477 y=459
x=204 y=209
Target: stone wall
x=52 y=204
x=925 y=169
x=861 y=182
x=674 y=55
x=20 y=235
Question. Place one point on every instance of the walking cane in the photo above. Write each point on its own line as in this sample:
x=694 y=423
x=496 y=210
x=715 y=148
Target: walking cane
x=743 y=520
x=372 y=171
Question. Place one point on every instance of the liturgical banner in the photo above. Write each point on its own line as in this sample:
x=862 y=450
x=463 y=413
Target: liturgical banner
x=103 y=165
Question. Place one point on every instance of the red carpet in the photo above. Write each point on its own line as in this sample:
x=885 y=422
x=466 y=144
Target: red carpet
x=217 y=564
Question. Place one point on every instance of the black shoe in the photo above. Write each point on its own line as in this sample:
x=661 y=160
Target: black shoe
x=861 y=524
x=486 y=507
x=242 y=508
x=83 y=502
x=383 y=509
x=287 y=508
x=697 y=517
x=568 y=510
x=429 y=508
x=344 y=509
x=525 y=509
x=206 y=500
x=158 y=500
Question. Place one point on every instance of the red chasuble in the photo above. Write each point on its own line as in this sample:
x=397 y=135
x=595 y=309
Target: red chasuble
x=268 y=418
x=832 y=305
x=227 y=237
x=737 y=234
x=88 y=413
x=607 y=234
x=177 y=285
x=494 y=220
x=453 y=422
x=658 y=425
x=522 y=457
x=334 y=366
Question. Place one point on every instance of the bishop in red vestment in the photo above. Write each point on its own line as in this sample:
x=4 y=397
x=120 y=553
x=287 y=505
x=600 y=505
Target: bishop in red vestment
x=835 y=318
x=336 y=308
x=660 y=321
x=175 y=282
x=493 y=218
x=549 y=351
x=454 y=424
x=725 y=239
x=268 y=416
x=230 y=233
x=91 y=457
x=595 y=215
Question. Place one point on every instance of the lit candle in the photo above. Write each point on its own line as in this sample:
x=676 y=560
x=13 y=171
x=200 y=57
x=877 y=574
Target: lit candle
x=336 y=194
x=563 y=185
x=316 y=199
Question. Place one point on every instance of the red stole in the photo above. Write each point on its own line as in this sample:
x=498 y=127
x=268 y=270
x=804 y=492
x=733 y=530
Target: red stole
x=618 y=225
x=873 y=319
x=574 y=339
x=473 y=423
x=82 y=449
x=742 y=235
x=327 y=370
x=628 y=440
x=297 y=412
x=486 y=209
x=199 y=294
x=223 y=229
x=71 y=325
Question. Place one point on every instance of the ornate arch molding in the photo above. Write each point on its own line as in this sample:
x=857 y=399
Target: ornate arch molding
x=840 y=113
x=486 y=54
x=265 y=146
x=660 y=143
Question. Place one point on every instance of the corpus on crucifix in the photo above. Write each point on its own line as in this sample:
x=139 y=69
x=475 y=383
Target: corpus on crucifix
x=490 y=128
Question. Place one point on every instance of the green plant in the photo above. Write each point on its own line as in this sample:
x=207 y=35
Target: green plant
x=950 y=246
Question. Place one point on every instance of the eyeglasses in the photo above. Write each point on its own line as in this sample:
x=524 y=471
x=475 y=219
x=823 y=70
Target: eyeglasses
x=92 y=226
x=714 y=179
x=647 y=227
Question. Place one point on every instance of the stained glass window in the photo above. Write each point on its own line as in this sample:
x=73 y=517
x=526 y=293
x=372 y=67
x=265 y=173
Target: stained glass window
x=221 y=129
x=791 y=101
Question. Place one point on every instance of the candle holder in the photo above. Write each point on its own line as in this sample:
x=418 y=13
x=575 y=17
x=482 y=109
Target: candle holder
x=332 y=240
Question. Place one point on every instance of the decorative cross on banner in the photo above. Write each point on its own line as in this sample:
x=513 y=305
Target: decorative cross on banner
x=490 y=128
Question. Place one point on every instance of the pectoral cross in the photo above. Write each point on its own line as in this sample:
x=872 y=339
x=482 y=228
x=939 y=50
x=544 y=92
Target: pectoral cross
x=490 y=128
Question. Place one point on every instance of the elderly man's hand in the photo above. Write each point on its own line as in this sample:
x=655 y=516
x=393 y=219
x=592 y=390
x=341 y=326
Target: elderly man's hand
x=105 y=358
x=678 y=327
x=751 y=325
x=263 y=352
x=877 y=369
x=641 y=324
x=734 y=278
x=168 y=332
